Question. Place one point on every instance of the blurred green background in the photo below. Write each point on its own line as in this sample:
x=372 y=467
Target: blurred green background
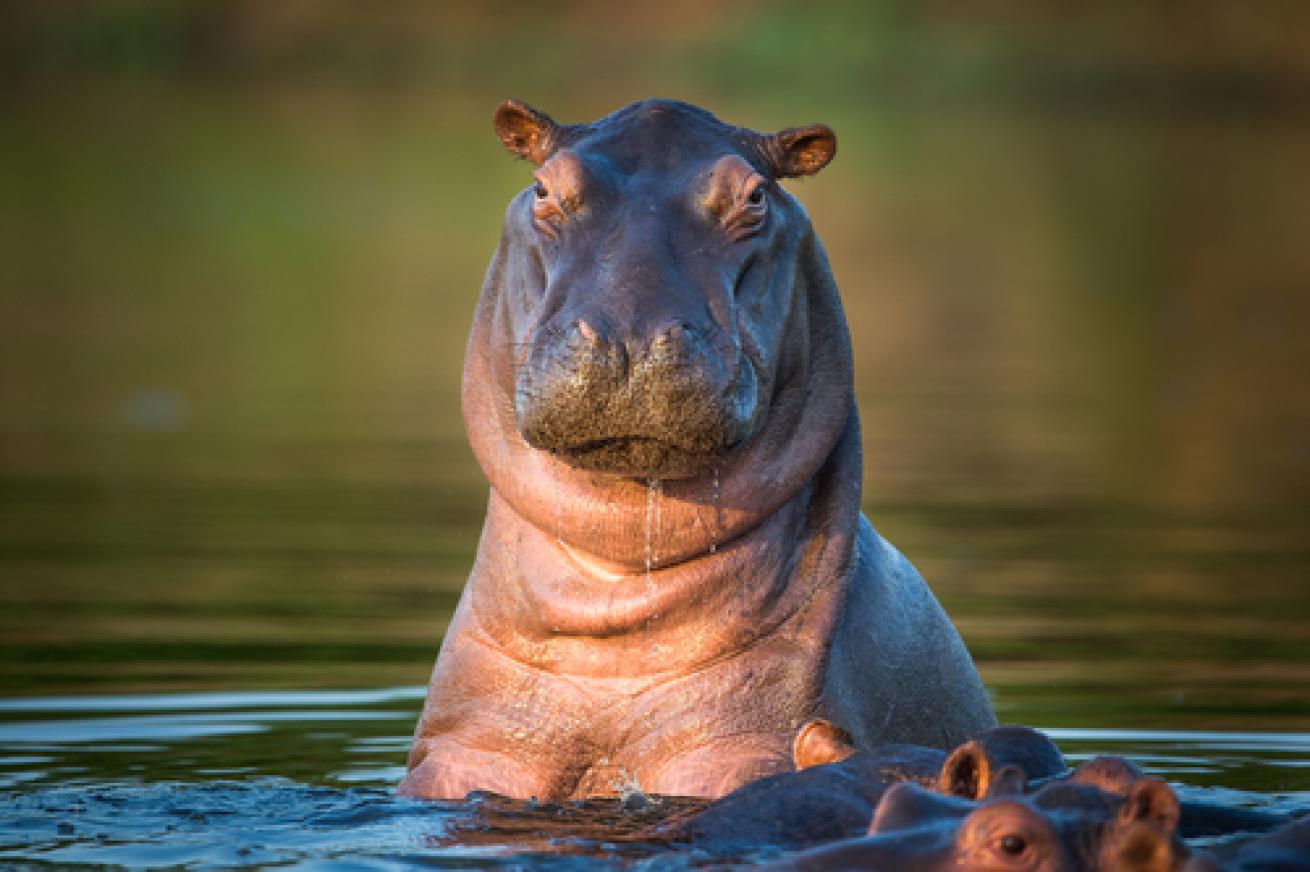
x=240 y=243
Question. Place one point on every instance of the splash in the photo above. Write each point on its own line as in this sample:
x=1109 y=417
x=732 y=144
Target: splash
x=631 y=796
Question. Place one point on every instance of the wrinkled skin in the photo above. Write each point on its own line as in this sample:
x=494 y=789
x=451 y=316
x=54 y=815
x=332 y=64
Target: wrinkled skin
x=1066 y=827
x=833 y=796
x=674 y=573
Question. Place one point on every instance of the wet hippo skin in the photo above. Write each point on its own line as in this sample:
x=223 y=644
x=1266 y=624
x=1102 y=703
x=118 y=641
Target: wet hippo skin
x=1285 y=850
x=674 y=572
x=1064 y=827
x=834 y=796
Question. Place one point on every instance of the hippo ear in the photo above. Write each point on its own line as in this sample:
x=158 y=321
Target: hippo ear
x=1144 y=848
x=967 y=772
x=526 y=132
x=801 y=151
x=819 y=742
x=1152 y=801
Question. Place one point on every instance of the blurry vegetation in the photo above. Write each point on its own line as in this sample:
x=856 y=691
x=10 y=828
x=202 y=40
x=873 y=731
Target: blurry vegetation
x=1170 y=55
x=240 y=244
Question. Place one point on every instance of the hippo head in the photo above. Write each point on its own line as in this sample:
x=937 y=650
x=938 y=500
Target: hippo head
x=660 y=258
x=1064 y=827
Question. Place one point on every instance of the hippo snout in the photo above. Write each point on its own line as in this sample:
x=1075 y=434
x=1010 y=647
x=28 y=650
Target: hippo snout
x=667 y=402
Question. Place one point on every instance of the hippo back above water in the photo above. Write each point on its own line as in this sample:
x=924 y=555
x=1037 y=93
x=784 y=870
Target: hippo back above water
x=674 y=573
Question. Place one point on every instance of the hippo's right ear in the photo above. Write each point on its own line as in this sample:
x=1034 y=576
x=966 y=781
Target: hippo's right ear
x=526 y=132
x=1152 y=801
x=818 y=742
x=800 y=151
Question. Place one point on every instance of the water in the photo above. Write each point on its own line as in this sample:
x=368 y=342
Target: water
x=303 y=779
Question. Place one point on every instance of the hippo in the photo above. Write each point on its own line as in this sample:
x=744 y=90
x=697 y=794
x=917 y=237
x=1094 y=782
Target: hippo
x=837 y=787
x=833 y=796
x=674 y=572
x=1286 y=849
x=1196 y=819
x=985 y=764
x=1063 y=827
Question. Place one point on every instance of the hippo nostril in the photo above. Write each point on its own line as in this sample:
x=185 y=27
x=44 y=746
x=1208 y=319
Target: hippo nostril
x=672 y=337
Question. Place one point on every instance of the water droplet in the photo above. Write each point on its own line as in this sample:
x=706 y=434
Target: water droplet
x=714 y=525
x=658 y=487
x=559 y=540
x=654 y=491
x=650 y=502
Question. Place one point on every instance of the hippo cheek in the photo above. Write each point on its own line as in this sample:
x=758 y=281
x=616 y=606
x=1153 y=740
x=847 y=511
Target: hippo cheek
x=673 y=407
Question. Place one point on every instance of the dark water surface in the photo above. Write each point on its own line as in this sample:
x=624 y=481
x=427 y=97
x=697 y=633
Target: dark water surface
x=213 y=780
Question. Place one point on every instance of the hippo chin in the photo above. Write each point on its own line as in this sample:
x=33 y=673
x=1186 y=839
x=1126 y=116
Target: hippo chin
x=674 y=573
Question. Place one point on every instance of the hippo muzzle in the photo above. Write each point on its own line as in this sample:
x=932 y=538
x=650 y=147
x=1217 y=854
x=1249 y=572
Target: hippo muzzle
x=668 y=405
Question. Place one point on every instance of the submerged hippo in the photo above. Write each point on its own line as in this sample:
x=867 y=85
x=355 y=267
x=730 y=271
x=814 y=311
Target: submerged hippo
x=1284 y=850
x=1063 y=827
x=674 y=573
x=836 y=788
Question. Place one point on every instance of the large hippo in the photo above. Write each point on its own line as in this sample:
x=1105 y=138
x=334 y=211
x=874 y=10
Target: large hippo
x=674 y=572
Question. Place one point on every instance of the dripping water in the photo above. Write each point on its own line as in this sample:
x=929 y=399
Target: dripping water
x=658 y=487
x=559 y=540
x=654 y=490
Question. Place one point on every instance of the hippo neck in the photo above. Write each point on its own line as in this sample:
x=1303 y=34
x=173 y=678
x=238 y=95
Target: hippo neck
x=612 y=525
x=533 y=599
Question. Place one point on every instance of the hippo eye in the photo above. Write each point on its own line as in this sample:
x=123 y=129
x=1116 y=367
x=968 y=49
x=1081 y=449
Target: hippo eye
x=746 y=214
x=1013 y=845
x=539 y=189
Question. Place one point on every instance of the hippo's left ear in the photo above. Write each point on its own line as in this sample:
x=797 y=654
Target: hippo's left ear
x=800 y=151
x=967 y=772
x=525 y=131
